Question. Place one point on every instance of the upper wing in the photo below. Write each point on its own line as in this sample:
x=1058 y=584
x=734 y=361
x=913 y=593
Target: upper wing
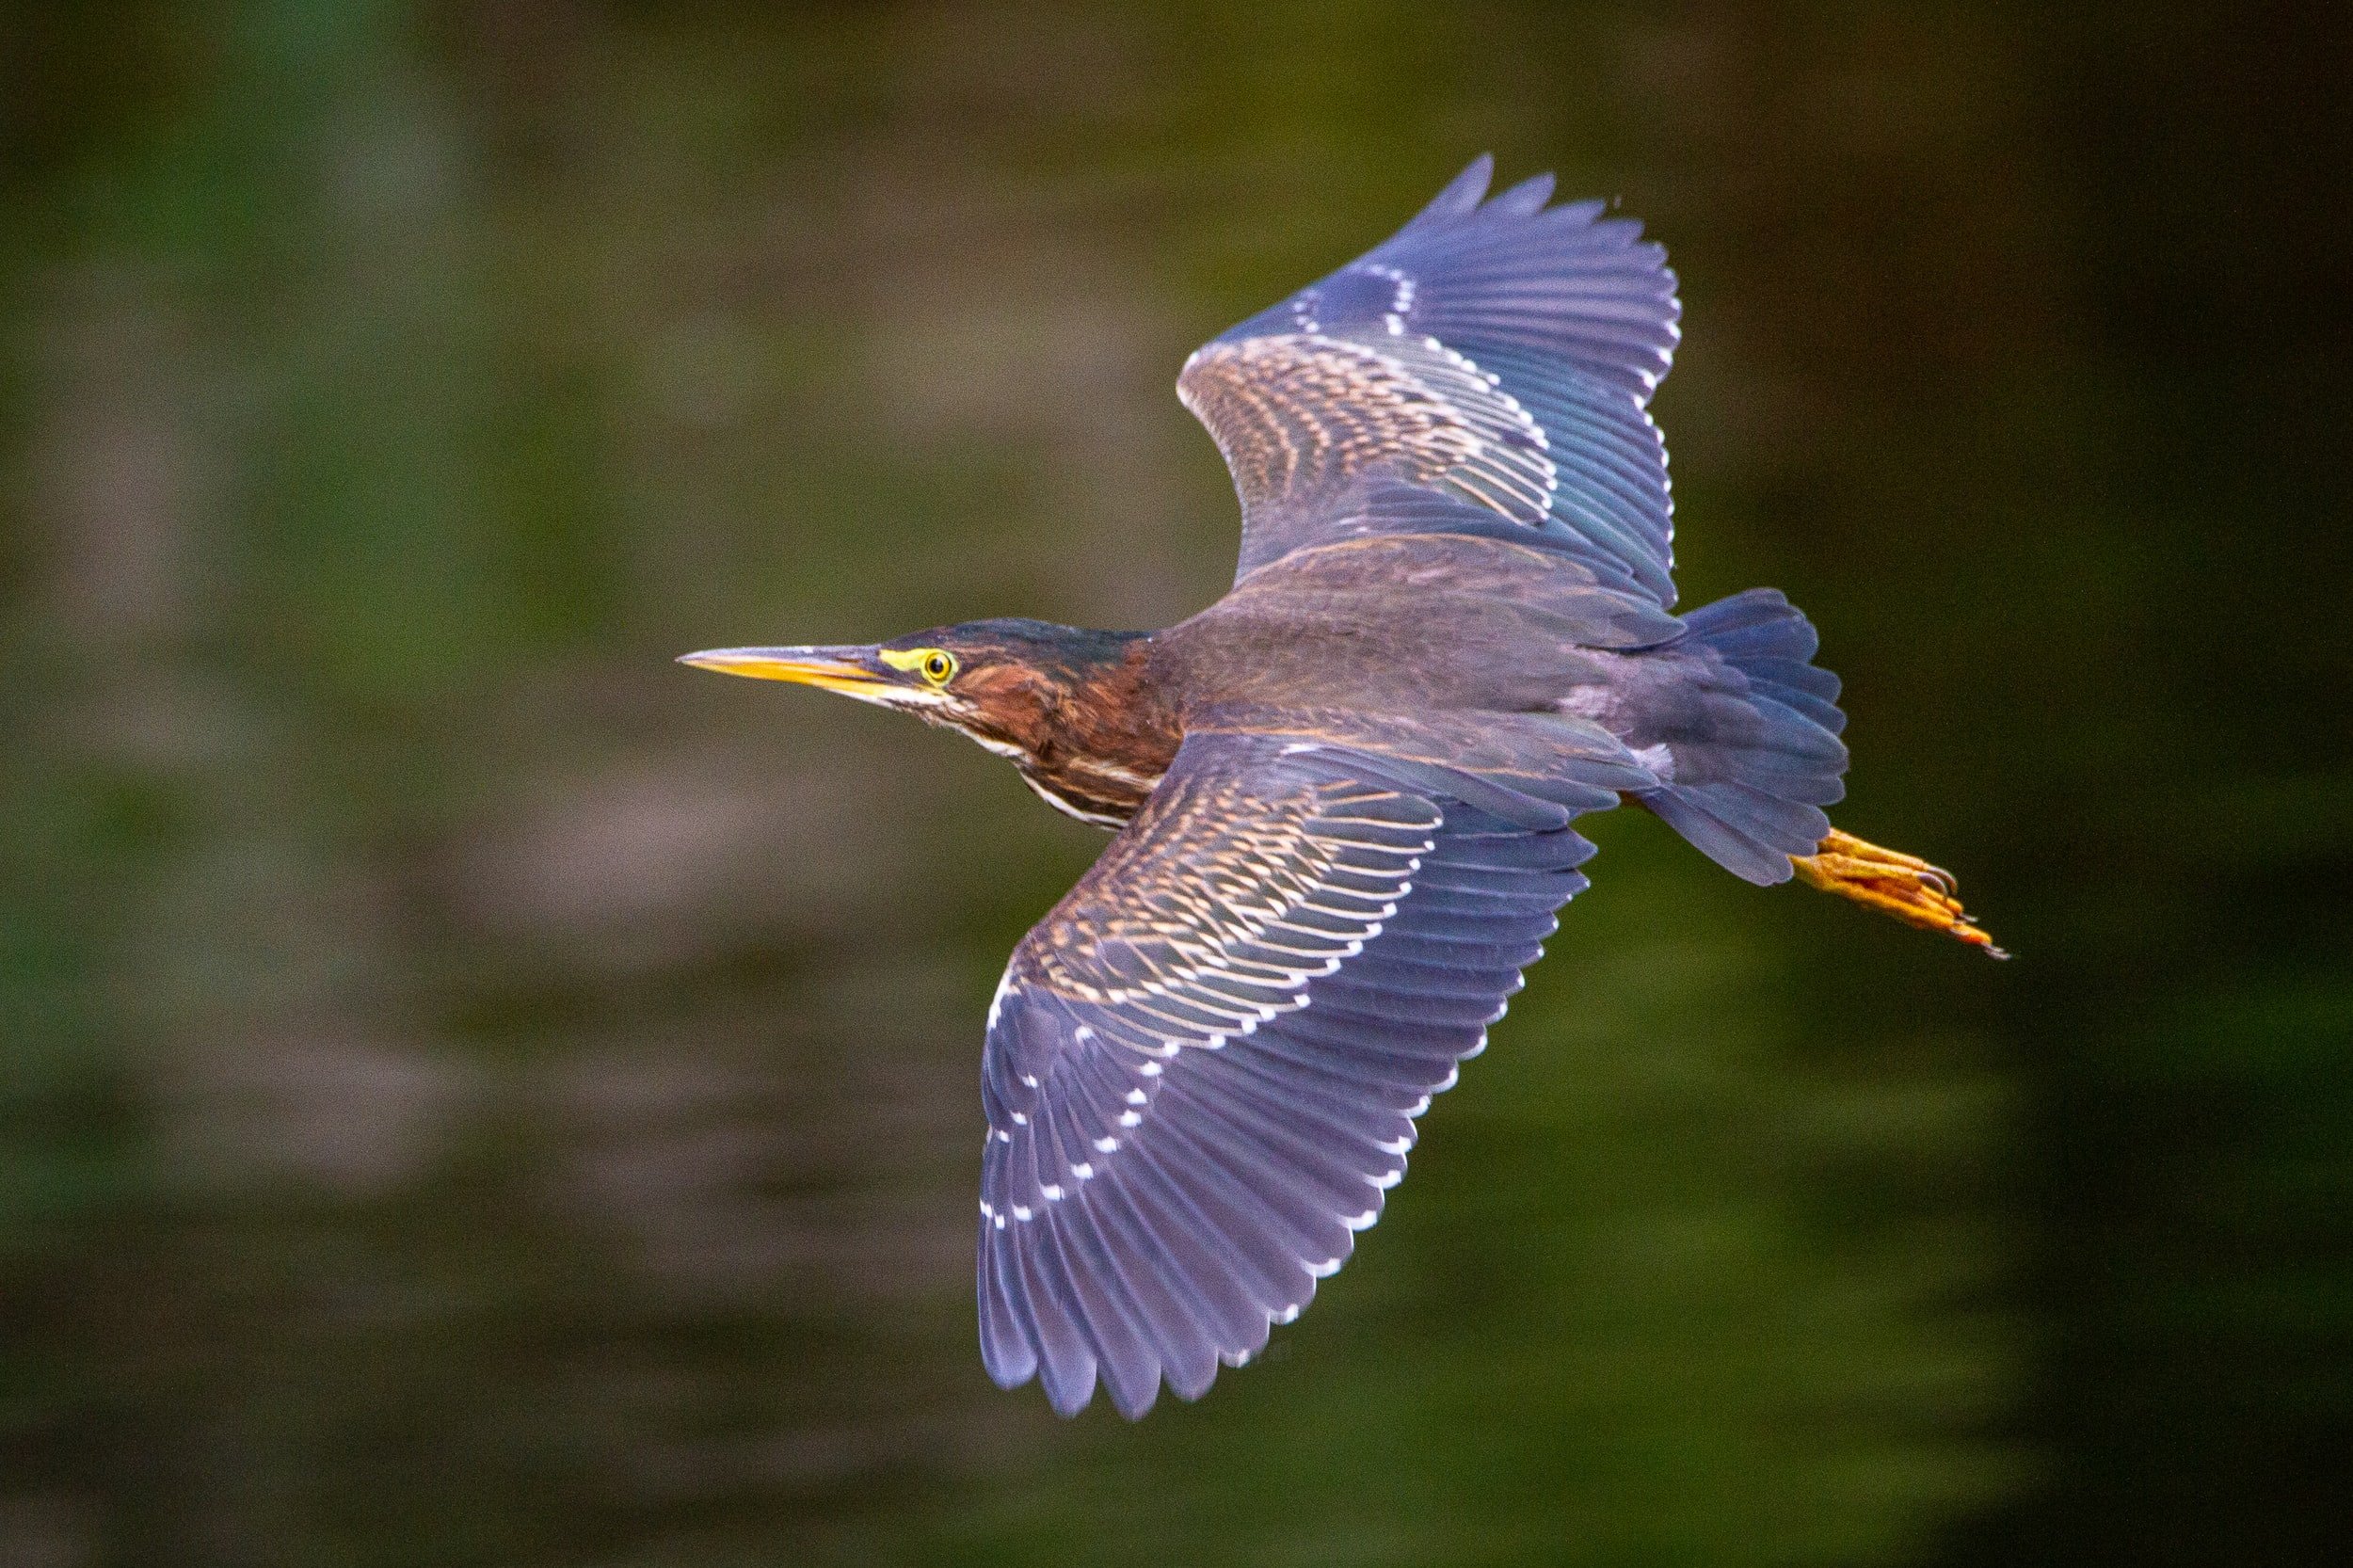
x=1500 y=351
x=1203 y=1068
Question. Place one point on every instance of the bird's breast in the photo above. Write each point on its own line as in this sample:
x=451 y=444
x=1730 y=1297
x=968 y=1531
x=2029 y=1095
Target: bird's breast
x=1098 y=790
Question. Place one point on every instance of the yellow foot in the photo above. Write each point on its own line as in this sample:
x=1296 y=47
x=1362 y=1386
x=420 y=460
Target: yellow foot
x=1903 y=886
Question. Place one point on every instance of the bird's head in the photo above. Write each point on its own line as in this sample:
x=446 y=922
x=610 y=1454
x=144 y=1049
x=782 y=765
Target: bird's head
x=1005 y=683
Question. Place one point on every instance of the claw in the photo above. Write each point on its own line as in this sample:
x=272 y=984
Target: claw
x=1901 y=885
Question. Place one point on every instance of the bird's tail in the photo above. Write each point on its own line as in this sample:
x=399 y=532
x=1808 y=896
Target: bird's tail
x=1749 y=777
x=1749 y=786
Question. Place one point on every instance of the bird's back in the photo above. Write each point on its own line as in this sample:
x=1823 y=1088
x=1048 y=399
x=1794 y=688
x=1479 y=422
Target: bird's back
x=1406 y=624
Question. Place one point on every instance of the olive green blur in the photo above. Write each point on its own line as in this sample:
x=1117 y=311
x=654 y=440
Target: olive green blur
x=475 y=1092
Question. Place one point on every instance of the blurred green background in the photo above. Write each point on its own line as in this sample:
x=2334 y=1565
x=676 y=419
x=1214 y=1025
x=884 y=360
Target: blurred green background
x=475 y=1092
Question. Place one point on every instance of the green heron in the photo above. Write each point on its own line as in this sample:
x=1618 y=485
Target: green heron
x=1343 y=794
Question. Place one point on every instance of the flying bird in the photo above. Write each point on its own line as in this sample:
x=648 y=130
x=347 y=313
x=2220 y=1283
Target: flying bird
x=1344 y=795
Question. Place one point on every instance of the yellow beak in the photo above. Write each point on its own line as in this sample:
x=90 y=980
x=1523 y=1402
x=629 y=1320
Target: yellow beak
x=851 y=671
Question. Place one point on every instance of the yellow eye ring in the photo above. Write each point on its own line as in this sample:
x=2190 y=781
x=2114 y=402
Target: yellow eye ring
x=937 y=665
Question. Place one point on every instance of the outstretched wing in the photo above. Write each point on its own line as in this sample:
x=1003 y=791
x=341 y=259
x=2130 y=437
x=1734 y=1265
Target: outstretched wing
x=1203 y=1068
x=1499 y=350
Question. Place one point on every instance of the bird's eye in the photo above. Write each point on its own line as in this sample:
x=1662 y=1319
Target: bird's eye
x=939 y=666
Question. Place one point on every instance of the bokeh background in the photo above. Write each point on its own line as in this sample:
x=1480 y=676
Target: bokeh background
x=477 y=1094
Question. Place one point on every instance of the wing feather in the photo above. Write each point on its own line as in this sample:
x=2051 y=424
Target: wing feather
x=1502 y=353
x=1203 y=1068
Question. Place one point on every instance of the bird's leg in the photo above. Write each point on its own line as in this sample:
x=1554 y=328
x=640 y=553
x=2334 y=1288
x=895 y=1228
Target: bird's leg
x=1903 y=886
